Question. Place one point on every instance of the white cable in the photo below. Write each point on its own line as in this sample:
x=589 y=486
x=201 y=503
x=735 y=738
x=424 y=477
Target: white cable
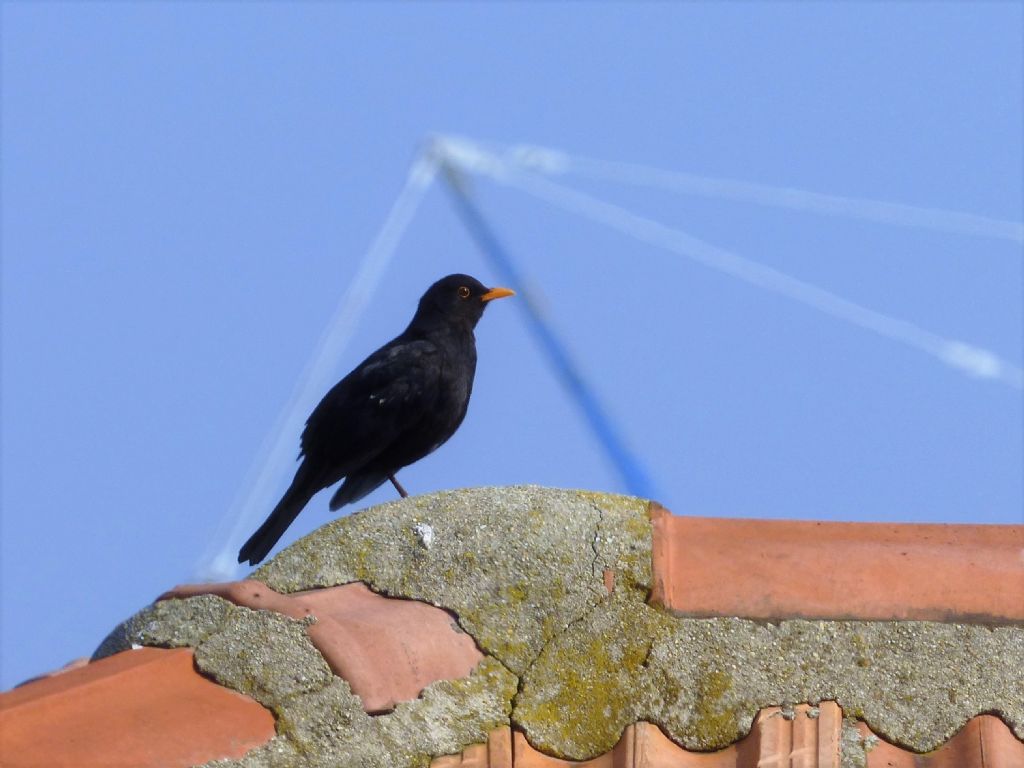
x=551 y=162
x=256 y=495
x=518 y=166
x=962 y=356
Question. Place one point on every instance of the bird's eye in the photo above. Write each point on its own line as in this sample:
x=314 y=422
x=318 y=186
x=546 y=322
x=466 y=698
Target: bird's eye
x=463 y=292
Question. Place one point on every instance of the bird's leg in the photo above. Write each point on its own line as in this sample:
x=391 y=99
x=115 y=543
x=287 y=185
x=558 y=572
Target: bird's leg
x=398 y=486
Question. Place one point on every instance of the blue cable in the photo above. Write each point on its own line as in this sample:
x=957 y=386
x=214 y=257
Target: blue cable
x=633 y=475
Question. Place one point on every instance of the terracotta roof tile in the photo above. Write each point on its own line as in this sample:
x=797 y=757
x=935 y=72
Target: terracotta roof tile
x=776 y=569
x=496 y=753
x=806 y=737
x=775 y=741
x=985 y=742
x=391 y=649
x=387 y=649
x=142 y=708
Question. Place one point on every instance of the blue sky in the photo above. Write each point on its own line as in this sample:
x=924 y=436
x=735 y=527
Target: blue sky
x=188 y=189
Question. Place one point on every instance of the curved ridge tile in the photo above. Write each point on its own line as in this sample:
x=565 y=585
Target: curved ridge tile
x=801 y=737
x=798 y=737
x=177 y=717
x=875 y=571
x=985 y=742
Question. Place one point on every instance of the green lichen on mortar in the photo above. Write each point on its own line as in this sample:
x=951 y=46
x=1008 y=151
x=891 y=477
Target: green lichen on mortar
x=327 y=727
x=703 y=680
x=522 y=568
x=594 y=669
x=517 y=565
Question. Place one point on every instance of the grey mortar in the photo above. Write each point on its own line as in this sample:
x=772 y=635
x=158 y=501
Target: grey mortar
x=522 y=569
x=168 y=624
x=320 y=722
x=517 y=565
x=703 y=680
x=328 y=728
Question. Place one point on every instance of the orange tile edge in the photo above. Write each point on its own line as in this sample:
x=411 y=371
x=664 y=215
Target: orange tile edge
x=805 y=737
x=660 y=553
x=179 y=717
x=703 y=567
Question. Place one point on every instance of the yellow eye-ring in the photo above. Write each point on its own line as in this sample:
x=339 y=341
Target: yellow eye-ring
x=463 y=292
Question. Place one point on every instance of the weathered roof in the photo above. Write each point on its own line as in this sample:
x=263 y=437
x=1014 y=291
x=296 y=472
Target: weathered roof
x=143 y=707
x=522 y=619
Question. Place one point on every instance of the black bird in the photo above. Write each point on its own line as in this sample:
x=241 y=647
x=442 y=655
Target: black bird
x=398 y=405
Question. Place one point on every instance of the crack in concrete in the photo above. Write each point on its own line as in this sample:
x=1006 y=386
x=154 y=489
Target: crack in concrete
x=529 y=668
x=595 y=540
x=594 y=566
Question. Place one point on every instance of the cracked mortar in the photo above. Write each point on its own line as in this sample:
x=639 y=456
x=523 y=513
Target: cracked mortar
x=320 y=722
x=517 y=565
x=567 y=663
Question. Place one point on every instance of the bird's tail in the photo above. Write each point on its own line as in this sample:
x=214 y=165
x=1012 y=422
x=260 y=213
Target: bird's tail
x=295 y=498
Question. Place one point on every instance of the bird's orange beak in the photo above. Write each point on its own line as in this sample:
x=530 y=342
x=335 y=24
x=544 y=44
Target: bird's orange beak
x=497 y=293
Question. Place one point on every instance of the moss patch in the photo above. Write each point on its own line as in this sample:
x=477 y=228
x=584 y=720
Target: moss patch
x=595 y=671
x=517 y=565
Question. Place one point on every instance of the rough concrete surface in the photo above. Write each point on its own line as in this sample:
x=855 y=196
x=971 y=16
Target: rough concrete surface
x=568 y=663
x=168 y=624
x=264 y=655
x=703 y=680
x=329 y=728
x=518 y=565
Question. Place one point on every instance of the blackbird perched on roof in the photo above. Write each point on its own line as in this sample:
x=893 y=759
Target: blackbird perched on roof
x=398 y=405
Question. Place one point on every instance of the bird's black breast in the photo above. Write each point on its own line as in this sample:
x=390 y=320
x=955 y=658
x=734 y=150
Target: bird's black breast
x=444 y=406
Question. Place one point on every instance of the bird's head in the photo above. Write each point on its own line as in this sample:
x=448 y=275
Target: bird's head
x=456 y=299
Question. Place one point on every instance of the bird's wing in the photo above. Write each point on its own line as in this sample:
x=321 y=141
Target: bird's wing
x=368 y=409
